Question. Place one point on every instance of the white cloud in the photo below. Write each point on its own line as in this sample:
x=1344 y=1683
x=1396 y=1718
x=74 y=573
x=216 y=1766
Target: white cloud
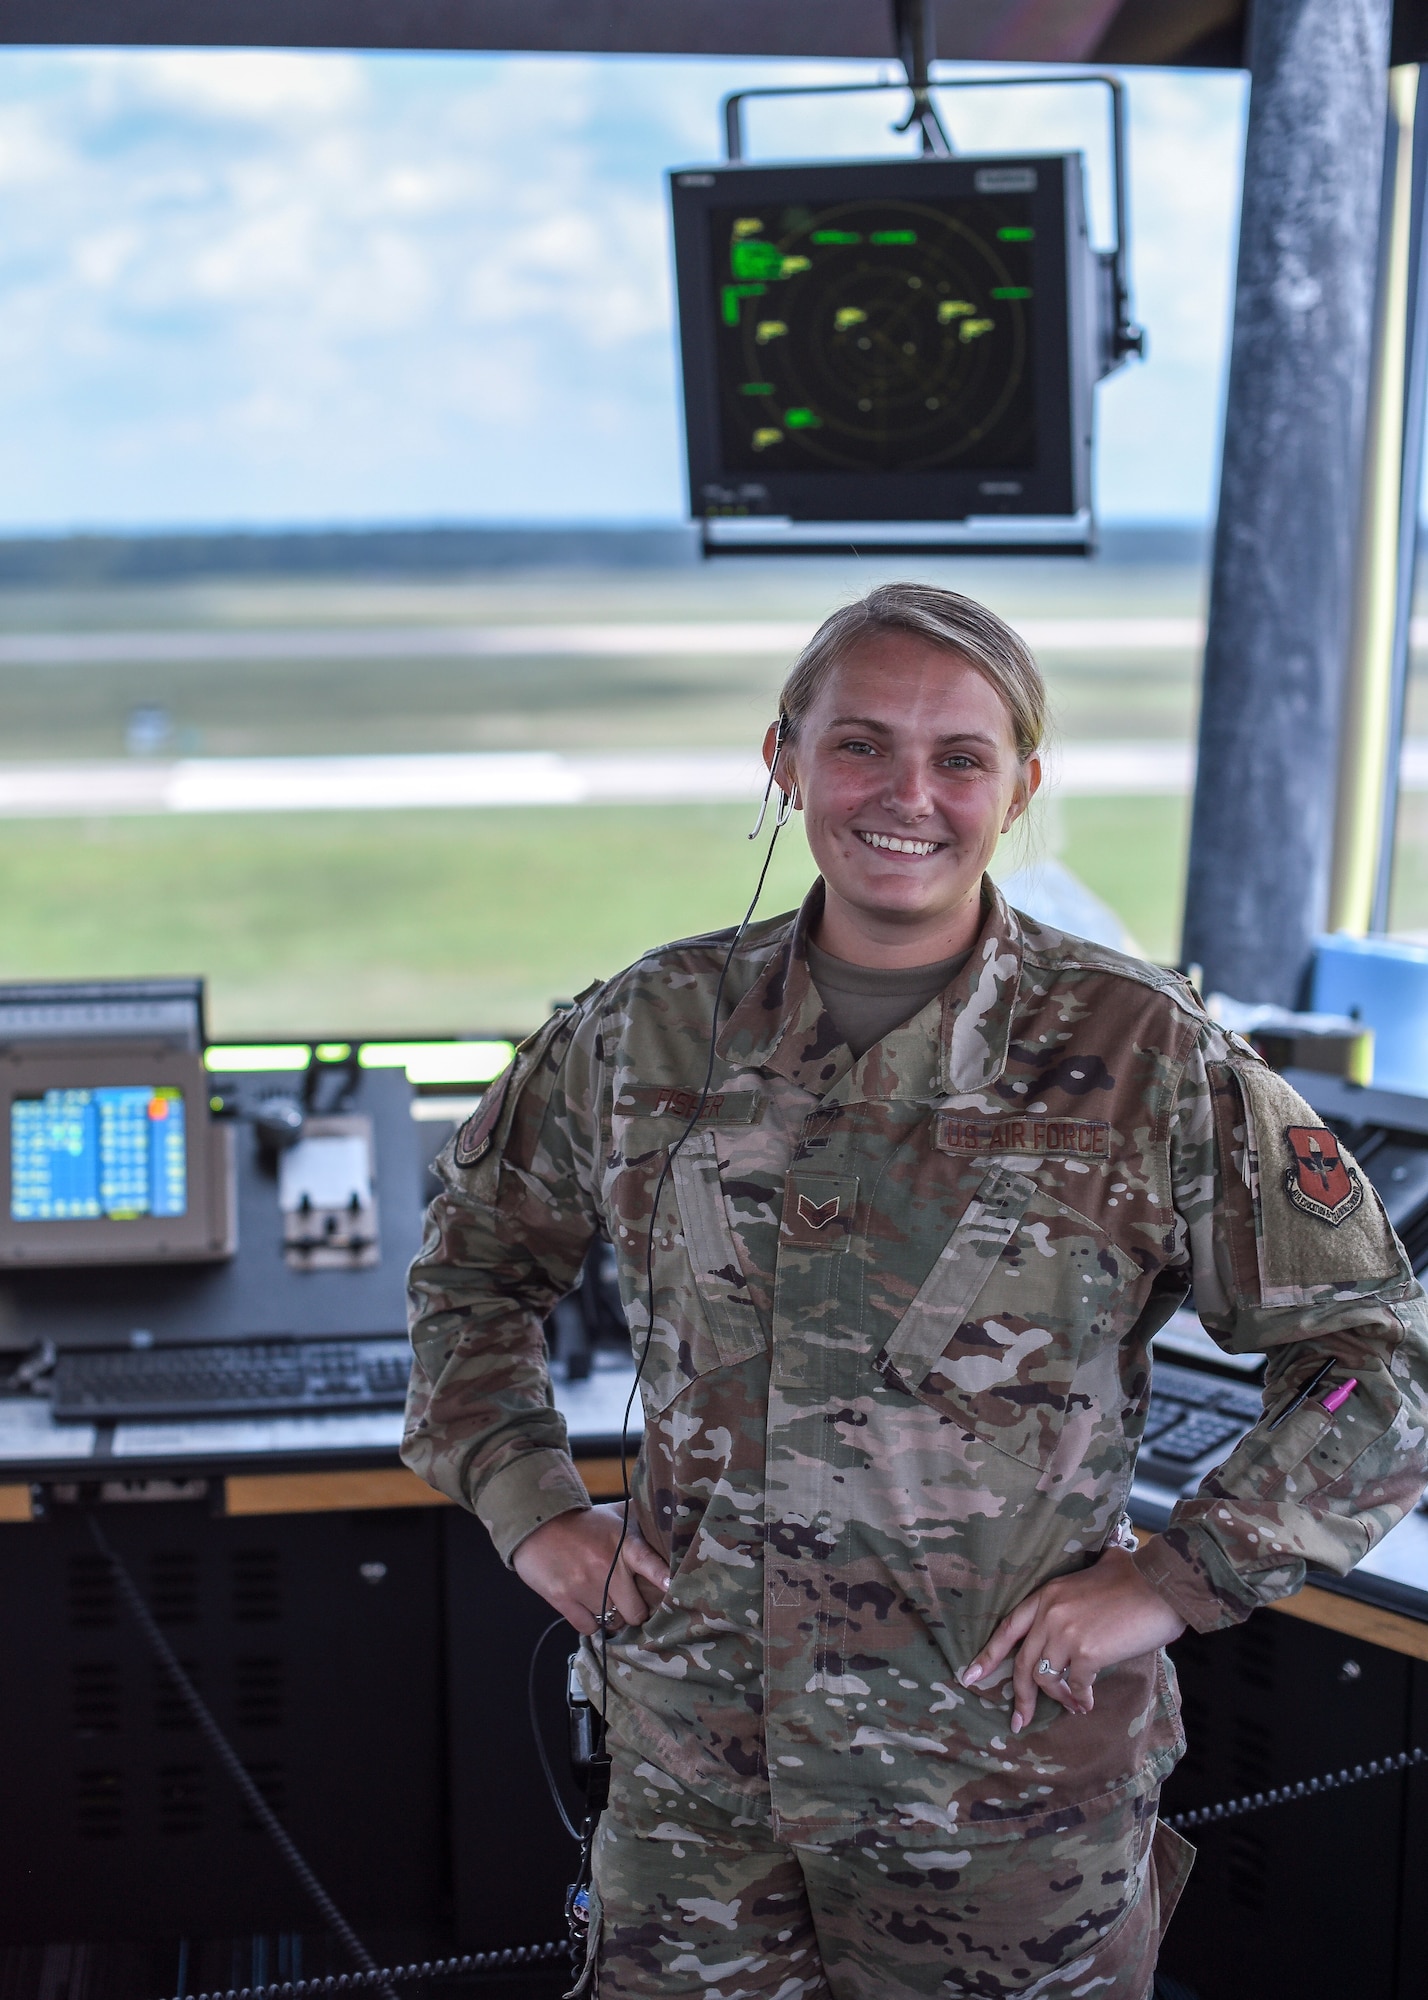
x=258 y=86
x=278 y=286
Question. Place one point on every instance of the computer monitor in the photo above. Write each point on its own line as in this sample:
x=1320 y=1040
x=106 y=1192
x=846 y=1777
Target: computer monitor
x=108 y=1155
x=888 y=341
x=72 y=1011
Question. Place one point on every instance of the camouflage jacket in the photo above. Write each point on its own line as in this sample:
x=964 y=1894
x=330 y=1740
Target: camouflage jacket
x=898 y=1368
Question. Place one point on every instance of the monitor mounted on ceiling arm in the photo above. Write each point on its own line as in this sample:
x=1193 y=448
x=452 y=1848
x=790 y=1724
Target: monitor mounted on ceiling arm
x=895 y=355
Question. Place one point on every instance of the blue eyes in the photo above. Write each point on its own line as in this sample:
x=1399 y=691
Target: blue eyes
x=957 y=761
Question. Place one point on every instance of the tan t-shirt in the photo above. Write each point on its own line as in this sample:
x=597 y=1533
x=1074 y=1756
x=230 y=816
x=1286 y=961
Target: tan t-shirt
x=867 y=1002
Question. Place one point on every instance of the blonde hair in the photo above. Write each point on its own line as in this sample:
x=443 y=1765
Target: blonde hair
x=942 y=617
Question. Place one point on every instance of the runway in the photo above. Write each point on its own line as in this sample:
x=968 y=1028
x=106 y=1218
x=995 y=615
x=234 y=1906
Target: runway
x=517 y=778
x=705 y=638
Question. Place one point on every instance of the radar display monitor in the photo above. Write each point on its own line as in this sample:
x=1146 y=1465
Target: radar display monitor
x=108 y=1155
x=889 y=341
x=117 y=1150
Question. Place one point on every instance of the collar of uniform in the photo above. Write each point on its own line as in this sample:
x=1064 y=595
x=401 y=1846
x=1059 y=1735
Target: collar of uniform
x=957 y=1046
x=978 y=1005
x=780 y=1023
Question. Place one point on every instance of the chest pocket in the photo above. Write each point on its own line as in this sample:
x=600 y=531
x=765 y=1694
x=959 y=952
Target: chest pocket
x=719 y=1325
x=1014 y=1330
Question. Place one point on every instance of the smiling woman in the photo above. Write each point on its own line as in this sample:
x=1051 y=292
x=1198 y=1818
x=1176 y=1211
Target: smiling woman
x=911 y=730
x=899 y=1188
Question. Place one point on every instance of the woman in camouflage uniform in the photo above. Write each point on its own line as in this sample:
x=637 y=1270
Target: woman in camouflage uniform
x=884 y=1673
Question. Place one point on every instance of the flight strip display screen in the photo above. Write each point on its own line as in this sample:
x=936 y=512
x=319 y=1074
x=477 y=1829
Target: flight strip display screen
x=878 y=334
x=117 y=1152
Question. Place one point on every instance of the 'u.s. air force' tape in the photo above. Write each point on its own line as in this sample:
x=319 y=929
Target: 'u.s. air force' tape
x=1058 y=1138
x=474 y=1138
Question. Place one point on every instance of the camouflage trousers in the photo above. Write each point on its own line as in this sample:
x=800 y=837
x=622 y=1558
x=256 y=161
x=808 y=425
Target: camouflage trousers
x=690 y=1900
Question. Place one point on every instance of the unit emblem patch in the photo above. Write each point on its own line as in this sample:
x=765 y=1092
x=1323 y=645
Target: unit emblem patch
x=1319 y=1182
x=474 y=1138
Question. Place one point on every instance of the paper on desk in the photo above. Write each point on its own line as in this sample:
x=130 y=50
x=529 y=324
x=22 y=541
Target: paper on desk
x=328 y=1171
x=595 y=1407
x=28 y=1430
x=1183 y=1338
x=592 y=1409
x=219 y=1437
x=1402 y=1555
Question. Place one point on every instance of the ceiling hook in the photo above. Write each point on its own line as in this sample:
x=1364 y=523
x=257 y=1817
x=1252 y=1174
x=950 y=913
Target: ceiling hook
x=915 y=34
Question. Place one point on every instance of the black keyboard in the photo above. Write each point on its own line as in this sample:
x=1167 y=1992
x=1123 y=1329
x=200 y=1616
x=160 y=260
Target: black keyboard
x=261 y=1379
x=1193 y=1417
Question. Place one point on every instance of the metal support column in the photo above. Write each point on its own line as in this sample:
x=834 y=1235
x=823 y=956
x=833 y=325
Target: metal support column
x=1373 y=692
x=1415 y=408
x=1291 y=484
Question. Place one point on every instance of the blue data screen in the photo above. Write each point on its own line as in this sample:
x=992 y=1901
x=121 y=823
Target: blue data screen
x=116 y=1152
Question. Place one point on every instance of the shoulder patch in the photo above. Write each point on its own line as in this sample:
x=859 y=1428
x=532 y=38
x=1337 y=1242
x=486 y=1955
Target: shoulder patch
x=1319 y=1179
x=1316 y=1223
x=474 y=1138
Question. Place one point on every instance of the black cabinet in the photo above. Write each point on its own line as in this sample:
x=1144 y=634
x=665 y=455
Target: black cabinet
x=511 y=1857
x=1311 y=1899
x=371 y=1670
x=317 y=1642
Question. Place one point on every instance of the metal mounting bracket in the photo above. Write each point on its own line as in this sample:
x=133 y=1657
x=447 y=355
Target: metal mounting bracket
x=912 y=21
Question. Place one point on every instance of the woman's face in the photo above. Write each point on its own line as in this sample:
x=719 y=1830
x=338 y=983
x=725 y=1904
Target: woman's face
x=907 y=774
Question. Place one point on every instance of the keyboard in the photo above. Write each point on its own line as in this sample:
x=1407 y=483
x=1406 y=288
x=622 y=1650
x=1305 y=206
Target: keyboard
x=1193 y=1417
x=1194 y=1422
x=258 y=1379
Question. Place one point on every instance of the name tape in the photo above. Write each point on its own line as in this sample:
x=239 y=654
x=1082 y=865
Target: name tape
x=645 y=1100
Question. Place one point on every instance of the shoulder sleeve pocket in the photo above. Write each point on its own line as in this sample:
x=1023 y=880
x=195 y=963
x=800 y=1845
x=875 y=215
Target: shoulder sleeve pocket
x=1298 y=1217
x=476 y=1150
x=473 y=1141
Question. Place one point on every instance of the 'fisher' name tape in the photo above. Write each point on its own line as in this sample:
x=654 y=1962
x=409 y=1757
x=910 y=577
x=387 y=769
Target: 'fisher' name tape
x=734 y=1107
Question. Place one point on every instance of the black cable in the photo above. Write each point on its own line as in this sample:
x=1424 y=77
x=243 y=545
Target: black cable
x=396 y=1975
x=660 y=1186
x=1307 y=1788
x=232 y=1763
x=597 y=1781
x=539 y=1734
x=544 y=1954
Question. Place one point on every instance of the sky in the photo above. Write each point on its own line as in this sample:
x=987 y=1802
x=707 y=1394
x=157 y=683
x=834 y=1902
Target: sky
x=248 y=287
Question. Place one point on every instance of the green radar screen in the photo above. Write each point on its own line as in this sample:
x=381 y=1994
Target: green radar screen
x=878 y=335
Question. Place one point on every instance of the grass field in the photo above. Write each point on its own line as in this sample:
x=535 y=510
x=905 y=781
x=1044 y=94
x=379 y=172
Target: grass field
x=1409 y=909
x=348 y=923
x=335 y=922
x=290 y=706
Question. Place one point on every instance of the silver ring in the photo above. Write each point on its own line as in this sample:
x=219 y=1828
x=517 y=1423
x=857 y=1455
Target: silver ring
x=1044 y=1667
x=609 y=1621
